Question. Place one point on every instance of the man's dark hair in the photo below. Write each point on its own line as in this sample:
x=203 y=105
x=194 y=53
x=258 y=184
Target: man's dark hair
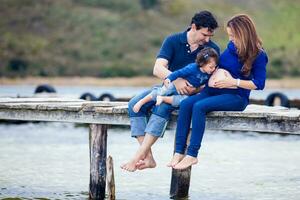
x=205 y=19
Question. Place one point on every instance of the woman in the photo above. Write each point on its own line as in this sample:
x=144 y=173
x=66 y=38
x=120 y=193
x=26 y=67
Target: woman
x=244 y=62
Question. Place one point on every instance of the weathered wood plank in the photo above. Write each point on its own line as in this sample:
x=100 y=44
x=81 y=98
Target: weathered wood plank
x=254 y=118
x=98 y=151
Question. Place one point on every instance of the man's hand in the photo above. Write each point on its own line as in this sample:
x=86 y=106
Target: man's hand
x=184 y=87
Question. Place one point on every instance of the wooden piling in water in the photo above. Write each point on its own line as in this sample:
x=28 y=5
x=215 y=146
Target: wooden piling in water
x=110 y=179
x=180 y=183
x=98 y=151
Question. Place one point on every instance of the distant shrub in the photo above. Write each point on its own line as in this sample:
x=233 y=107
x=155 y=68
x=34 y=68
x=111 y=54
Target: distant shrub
x=149 y=4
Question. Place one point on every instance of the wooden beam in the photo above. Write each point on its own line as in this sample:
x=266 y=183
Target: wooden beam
x=98 y=151
x=254 y=118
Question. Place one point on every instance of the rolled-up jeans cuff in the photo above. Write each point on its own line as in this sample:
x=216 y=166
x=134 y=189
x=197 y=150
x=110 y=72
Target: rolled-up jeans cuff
x=156 y=126
x=138 y=126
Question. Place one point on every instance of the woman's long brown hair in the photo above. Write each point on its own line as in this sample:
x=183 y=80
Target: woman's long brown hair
x=247 y=42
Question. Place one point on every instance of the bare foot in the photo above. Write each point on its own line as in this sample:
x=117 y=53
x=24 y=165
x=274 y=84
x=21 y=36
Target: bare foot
x=136 y=108
x=159 y=100
x=186 y=162
x=146 y=163
x=130 y=166
x=177 y=157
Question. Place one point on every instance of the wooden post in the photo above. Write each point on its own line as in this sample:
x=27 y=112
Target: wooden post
x=98 y=143
x=110 y=179
x=180 y=181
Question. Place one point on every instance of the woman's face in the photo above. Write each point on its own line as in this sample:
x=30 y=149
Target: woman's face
x=230 y=35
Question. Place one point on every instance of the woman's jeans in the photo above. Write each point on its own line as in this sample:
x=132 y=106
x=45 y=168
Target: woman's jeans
x=194 y=109
x=157 y=122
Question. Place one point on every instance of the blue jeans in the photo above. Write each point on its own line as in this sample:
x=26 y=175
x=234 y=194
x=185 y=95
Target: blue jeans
x=144 y=122
x=194 y=109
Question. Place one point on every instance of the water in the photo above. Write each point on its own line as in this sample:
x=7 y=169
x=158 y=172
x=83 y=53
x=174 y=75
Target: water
x=77 y=91
x=51 y=160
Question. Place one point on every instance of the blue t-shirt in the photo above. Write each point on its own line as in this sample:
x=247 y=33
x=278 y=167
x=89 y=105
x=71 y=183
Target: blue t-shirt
x=229 y=60
x=176 y=50
x=192 y=74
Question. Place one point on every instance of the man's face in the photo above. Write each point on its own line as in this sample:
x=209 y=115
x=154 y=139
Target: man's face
x=203 y=35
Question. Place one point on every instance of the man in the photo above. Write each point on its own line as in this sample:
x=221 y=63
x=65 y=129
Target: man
x=177 y=51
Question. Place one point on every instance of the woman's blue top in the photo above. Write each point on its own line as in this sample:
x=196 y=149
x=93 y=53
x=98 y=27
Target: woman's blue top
x=229 y=60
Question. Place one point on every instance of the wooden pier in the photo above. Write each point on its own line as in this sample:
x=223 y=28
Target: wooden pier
x=100 y=114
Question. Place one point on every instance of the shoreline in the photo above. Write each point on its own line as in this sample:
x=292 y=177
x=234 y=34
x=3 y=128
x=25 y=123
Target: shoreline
x=140 y=81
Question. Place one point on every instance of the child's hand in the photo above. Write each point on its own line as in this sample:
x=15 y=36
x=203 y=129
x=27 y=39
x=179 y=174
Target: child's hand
x=167 y=82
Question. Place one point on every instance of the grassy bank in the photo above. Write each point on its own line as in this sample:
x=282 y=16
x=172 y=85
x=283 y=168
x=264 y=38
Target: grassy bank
x=112 y=38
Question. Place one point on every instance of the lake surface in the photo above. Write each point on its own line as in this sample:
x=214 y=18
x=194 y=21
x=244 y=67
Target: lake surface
x=51 y=161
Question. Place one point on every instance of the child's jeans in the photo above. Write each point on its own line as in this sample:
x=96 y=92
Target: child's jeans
x=168 y=91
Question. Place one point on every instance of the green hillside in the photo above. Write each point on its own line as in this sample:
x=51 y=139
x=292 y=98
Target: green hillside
x=106 y=38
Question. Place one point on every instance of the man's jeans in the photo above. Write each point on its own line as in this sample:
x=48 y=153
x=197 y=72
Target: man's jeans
x=146 y=122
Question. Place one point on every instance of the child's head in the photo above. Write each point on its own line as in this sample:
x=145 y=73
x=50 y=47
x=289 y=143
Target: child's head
x=207 y=59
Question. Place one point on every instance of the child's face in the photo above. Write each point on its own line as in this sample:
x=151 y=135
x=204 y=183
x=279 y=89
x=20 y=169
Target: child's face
x=210 y=67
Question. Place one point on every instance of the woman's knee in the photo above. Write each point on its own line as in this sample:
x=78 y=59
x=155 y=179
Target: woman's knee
x=200 y=107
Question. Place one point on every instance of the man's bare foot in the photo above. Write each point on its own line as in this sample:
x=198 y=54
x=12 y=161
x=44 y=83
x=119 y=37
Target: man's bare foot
x=186 y=162
x=136 y=108
x=177 y=157
x=130 y=166
x=146 y=163
x=159 y=100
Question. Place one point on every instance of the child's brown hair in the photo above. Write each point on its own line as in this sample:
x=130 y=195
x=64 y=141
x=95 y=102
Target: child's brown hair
x=205 y=55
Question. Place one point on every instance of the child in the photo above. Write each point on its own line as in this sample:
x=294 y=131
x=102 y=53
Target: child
x=197 y=74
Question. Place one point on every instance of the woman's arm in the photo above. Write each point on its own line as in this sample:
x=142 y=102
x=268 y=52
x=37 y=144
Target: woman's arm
x=259 y=76
x=230 y=82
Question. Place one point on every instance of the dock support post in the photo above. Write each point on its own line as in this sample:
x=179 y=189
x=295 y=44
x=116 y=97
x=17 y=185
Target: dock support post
x=180 y=183
x=180 y=180
x=98 y=151
x=110 y=179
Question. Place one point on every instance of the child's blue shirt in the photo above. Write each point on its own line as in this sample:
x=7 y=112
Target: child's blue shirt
x=192 y=74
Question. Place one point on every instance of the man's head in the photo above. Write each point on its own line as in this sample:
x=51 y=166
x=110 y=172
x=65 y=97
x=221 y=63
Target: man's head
x=203 y=25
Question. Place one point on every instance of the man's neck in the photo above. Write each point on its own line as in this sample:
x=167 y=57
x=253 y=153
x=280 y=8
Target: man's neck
x=191 y=40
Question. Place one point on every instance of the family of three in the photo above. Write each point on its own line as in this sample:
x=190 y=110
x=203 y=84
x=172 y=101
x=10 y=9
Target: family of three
x=197 y=79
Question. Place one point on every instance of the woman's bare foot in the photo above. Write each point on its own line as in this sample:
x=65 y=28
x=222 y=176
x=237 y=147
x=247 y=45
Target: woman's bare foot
x=136 y=108
x=177 y=157
x=159 y=100
x=186 y=162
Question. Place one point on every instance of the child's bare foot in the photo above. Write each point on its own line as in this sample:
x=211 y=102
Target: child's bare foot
x=146 y=163
x=177 y=157
x=136 y=108
x=130 y=166
x=159 y=100
x=186 y=162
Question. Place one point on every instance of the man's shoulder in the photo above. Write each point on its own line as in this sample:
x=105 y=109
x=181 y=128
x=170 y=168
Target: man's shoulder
x=176 y=37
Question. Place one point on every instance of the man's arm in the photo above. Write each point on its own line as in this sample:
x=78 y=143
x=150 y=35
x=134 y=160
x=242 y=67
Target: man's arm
x=160 y=70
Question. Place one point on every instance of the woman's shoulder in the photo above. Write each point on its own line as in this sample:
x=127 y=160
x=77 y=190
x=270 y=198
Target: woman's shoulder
x=262 y=57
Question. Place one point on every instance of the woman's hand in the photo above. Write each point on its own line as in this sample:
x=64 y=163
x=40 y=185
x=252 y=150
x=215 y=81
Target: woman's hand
x=227 y=82
x=183 y=86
